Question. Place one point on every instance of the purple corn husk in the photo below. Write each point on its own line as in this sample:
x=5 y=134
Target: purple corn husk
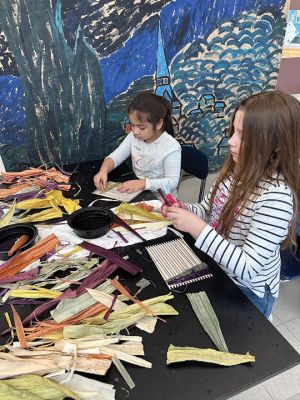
x=34 y=194
x=114 y=258
x=33 y=273
x=48 y=255
x=68 y=294
x=1 y=211
x=120 y=235
x=2 y=293
x=121 y=222
x=102 y=272
x=5 y=263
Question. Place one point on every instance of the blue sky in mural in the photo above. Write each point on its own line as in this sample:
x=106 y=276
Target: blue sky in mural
x=133 y=54
x=180 y=26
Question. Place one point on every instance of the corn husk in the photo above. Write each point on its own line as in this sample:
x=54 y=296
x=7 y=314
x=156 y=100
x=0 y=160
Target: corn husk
x=207 y=318
x=33 y=387
x=20 y=261
x=6 y=218
x=53 y=199
x=49 y=213
x=126 y=315
x=127 y=378
x=81 y=331
x=132 y=210
x=34 y=292
x=67 y=308
x=85 y=388
x=181 y=354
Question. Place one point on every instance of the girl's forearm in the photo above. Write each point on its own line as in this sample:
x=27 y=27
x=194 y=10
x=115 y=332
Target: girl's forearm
x=108 y=165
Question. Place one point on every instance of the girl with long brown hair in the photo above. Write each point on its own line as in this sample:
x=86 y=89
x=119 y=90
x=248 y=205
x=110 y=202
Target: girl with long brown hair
x=251 y=210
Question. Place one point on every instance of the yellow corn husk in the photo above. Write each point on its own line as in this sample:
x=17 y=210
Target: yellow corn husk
x=31 y=387
x=6 y=218
x=53 y=199
x=34 y=292
x=69 y=205
x=180 y=354
x=33 y=204
x=44 y=215
x=134 y=210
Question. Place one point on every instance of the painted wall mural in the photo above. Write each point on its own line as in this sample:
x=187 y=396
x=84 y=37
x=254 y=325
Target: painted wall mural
x=69 y=68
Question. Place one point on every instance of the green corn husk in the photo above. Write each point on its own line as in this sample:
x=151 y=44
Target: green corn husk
x=80 y=331
x=34 y=387
x=181 y=354
x=207 y=318
x=66 y=308
x=125 y=315
x=6 y=218
x=120 y=367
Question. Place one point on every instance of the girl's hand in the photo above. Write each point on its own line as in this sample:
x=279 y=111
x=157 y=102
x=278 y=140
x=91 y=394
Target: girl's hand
x=100 y=180
x=164 y=207
x=186 y=221
x=132 y=186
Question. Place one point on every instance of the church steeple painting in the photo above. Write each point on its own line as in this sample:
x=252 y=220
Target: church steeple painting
x=162 y=77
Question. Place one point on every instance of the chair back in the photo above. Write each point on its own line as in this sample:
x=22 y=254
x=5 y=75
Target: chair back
x=195 y=162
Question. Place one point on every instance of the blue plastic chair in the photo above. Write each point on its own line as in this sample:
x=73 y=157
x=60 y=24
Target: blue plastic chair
x=195 y=162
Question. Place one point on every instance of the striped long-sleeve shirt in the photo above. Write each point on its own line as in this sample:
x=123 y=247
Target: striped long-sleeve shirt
x=251 y=254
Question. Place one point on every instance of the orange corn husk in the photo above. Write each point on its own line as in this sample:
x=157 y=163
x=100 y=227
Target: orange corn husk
x=10 y=176
x=51 y=173
x=45 y=327
x=19 y=328
x=116 y=284
x=20 y=261
x=14 y=189
x=19 y=243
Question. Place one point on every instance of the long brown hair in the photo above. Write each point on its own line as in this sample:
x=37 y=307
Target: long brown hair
x=270 y=144
x=152 y=108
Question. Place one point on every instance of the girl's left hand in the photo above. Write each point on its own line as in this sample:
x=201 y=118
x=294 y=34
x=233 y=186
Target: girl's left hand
x=186 y=221
x=132 y=186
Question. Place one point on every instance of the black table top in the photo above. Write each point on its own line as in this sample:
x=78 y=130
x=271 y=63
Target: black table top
x=243 y=326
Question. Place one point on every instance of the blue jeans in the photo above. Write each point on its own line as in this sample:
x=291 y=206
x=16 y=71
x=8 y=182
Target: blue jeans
x=264 y=304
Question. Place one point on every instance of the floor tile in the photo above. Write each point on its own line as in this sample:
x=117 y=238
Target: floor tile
x=285 y=385
x=287 y=306
x=276 y=321
x=289 y=336
x=256 y=393
x=294 y=327
x=296 y=397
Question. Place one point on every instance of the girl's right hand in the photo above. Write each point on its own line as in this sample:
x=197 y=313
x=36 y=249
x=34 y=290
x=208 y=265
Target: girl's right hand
x=100 y=180
x=164 y=207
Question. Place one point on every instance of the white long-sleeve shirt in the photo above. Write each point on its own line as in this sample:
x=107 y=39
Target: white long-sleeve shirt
x=250 y=255
x=158 y=162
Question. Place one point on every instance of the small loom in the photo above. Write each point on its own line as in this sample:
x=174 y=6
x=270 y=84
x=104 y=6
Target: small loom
x=177 y=263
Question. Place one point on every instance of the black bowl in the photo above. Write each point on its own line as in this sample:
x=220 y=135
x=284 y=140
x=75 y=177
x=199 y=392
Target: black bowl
x=11 y=233
x=91 y=222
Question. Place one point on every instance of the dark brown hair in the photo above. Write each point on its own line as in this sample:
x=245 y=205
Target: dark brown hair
x=270 y=144
x=151 y=108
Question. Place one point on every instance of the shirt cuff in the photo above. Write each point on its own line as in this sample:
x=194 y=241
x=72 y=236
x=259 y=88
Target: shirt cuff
x=148 y=184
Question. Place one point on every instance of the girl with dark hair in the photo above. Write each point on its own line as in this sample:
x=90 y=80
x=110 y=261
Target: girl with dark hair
x=251 y=210
x=156 y=155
